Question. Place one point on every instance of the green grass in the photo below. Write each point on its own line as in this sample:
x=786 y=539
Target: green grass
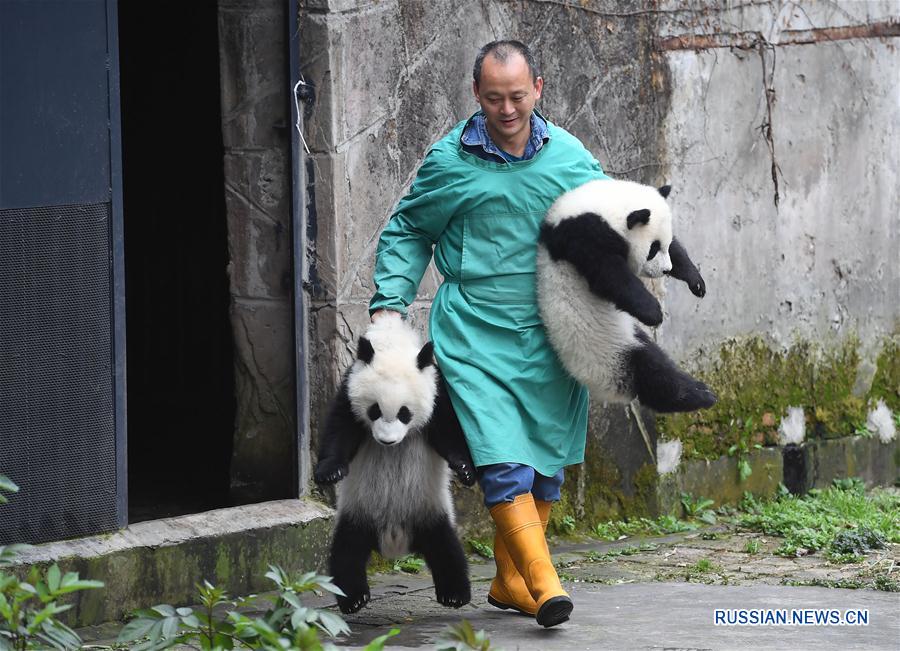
x=843 y=520
x=664 y=525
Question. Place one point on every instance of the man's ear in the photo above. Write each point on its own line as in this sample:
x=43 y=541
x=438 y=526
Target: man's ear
x=538 y=87
x=475 y=91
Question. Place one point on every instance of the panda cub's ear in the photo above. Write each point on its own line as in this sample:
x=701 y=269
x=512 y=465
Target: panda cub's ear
x=641 y=216
x=364 y=351
x=426 y=356
x=665 y=190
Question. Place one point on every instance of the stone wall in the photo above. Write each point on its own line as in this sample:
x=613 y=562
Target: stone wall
x=775 y=122
x=256 y=130
x=393 y=77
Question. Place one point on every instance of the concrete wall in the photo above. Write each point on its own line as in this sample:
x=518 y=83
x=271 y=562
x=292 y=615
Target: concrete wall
x=393 y=77
x=253 y=54
x=782 y=143
x=709 y=96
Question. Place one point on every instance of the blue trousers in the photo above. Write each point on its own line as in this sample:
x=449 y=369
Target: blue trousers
x=502 y=482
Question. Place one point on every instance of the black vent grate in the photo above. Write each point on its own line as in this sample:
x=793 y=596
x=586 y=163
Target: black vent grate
x=57 y=430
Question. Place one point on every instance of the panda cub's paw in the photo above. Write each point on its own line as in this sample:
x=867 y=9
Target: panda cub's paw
x=353 y=601
x=464 y=470
x=330 y=471
x=453 y=594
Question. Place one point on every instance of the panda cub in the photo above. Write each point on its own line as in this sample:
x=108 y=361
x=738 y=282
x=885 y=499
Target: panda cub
x=389 y=437
x=594 y=243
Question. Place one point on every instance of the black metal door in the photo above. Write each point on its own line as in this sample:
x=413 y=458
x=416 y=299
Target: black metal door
x=62 y=360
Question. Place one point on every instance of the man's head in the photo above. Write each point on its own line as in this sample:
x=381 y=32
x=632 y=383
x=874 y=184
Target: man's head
x=507 y=85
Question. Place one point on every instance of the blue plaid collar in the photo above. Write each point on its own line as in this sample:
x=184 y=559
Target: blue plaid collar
x=477 y=140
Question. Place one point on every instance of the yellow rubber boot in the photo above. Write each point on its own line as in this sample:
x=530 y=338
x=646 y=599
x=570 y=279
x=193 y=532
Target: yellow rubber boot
x=508 y=589
x=519 y=525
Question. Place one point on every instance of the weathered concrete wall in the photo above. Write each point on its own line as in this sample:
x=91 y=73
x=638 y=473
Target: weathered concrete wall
x=392 y=77
x=253 y=51
x=715 y=98
x=782 y=147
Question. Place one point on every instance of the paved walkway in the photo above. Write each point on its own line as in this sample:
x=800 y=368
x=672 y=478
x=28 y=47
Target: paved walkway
x=657 y=593
x=649 y=610
x=639 y=616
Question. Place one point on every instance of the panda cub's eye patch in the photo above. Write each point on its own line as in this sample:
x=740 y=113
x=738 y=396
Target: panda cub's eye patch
x=374 y=412
x=654 y=249
x=404 y=415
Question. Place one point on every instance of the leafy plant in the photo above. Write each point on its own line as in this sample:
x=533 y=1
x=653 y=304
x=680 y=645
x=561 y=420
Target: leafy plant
x=742 y=448
x=698 y=508
x=566 y=524
x=462 y=637
x=287 y=624
x=28 y=609
x=6 y=485
x=484 y=550
x=854 y=484
x=411 y=564
x=752 y=546
x=826 y=519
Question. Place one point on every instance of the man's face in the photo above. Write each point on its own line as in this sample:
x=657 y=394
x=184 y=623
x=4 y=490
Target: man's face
x=507 y=96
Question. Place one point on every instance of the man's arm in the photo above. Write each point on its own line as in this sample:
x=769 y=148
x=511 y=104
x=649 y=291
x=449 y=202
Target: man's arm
x=405 y=246
x=601 y=256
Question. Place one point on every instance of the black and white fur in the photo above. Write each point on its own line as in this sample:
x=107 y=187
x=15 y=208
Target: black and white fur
x=594 y=243
x=389 y=437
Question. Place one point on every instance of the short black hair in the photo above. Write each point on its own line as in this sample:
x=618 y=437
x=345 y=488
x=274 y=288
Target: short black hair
x=501 y=50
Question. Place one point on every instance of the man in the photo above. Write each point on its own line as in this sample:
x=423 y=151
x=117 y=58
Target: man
x=478 y=199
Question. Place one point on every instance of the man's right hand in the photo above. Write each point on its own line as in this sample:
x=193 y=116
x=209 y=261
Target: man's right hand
x=380 y=314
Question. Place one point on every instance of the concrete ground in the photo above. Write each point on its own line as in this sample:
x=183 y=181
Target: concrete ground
x=654 y=593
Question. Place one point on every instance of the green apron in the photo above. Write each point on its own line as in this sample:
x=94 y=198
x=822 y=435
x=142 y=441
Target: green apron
x=515 y=401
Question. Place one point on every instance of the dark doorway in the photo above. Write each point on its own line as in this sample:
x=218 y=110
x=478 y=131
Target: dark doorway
x=179 y=347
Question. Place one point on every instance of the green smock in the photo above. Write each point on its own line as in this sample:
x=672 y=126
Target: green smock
x=515 y=401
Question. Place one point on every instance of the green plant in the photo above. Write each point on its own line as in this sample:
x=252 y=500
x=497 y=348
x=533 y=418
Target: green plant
x=566 y=525
x=462 y=637
x=485 y=550
x=411 y=564
x=843 y=520
x=854 y=484
x=6 y=485
x=698 y=508
x=28 y=609
x=752 y=546
x=287 y=624
x=703 y=565
x=662 y=526
x=742 y=448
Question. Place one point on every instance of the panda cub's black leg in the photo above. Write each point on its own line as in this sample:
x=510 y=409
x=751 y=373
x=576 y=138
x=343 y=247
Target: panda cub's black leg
x=350 y=549
x=445 y=435
x=437 y=542
x=684 y=269
x=661 y=385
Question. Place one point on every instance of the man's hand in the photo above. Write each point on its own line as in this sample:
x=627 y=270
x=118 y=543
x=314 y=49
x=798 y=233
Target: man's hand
x=381 y=314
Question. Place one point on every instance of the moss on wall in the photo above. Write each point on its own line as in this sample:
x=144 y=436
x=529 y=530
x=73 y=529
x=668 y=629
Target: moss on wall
x=756 y=384
x=886 y=384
